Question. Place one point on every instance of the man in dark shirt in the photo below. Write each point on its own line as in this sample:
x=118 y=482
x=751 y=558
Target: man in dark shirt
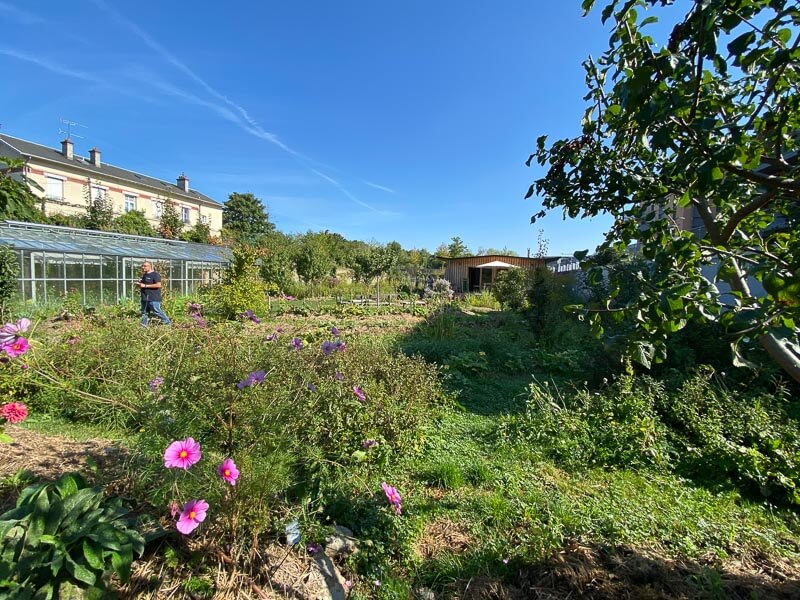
x=150 y=287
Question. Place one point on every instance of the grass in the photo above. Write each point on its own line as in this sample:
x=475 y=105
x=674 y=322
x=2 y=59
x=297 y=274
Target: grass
x=475 y=505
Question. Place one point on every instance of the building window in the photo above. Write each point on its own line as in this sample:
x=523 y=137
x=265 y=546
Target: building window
x=185 y=214
x=204 y=219
x=55 y=188
x=158 y=209
x=98 y=192
x=130 y=202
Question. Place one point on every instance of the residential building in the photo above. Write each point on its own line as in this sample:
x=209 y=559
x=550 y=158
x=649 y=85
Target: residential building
x=68 y=182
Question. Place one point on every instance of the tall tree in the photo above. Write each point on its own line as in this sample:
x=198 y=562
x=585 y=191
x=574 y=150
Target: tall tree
x=133 y=222
x=707 y=120
x=99 y=209
x=245 y=217
x=17 y=203
x=457 y=248
x=313 y=259
x=170 y=224
x=276 y=267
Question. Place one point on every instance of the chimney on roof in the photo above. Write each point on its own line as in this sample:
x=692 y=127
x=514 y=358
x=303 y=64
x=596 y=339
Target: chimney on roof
x=66 y=148
x=94 y=157
x=183 y=182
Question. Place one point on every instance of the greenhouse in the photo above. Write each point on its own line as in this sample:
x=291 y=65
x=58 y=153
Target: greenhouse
x=102 y=266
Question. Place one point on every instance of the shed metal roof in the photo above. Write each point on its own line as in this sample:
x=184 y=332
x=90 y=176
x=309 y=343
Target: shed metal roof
x=50 y=238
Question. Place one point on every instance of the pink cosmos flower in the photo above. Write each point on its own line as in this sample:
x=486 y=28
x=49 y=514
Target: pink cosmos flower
x=393 y=496
x=174 y=509
x=228 y=471
x=16 y=347
x=362 y=397
x=9 y=331
x=14 y=412
x=348 y=583
x=182 y=454
x=193 y=513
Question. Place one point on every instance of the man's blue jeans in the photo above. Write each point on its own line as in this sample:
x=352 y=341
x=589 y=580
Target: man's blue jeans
x=155 y=307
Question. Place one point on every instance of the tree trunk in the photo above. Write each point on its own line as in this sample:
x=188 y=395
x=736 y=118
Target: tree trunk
x=786 y=357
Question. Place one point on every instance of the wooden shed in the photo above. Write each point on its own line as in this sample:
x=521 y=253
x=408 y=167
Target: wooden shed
x=477 y=273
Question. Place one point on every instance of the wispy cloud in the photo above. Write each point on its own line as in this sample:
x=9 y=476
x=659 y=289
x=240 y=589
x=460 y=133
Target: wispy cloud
x=245 y=121
x=51 y=66
x=260 y=178
x=219 y=103
x=21 y=16
x=351 y=196
x=382 y=188
x=229 y=110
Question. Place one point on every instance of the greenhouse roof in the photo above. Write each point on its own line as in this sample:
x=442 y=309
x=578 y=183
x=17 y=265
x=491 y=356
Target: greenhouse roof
x=49 y=238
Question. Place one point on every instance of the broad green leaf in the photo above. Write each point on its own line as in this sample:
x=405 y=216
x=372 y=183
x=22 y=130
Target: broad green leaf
x=79 y=571
x=121 y=562
x=738 y=45
x=93 y=554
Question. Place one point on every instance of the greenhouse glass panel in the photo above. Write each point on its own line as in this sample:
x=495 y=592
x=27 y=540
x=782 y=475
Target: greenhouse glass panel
x=75 y=286
x=110 y=267
x=74 y=264
x=26 y=264
x=91 y=266
x=55 y=266
x=37 y=265
x=110 y=294
x=52 y=290
x=92 y=291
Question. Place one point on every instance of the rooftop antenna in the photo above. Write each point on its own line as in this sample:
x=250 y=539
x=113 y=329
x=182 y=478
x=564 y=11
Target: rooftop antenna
x=69 y=125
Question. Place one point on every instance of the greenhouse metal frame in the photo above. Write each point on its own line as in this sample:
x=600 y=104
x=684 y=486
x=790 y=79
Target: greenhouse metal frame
x=100 y=266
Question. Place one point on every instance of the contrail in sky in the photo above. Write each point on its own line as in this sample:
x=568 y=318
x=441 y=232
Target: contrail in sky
x=245 y=122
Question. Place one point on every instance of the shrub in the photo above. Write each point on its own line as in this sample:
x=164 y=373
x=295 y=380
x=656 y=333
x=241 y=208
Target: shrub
x=241 y=288
x=440 y=288
x=747 y=438
x=64 y=539
x=510 y=289
x=618 y=427
x=9 y=271
x=133 y=222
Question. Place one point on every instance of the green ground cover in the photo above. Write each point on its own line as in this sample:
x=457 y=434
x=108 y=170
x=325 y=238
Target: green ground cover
x=506 y=446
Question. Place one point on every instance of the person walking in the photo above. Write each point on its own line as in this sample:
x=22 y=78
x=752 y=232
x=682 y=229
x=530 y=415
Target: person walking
x=150 y=287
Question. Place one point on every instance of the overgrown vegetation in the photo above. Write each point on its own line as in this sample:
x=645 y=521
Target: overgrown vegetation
x=508 y=472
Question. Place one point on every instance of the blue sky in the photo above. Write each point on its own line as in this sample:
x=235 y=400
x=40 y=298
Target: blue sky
x=380 y=121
